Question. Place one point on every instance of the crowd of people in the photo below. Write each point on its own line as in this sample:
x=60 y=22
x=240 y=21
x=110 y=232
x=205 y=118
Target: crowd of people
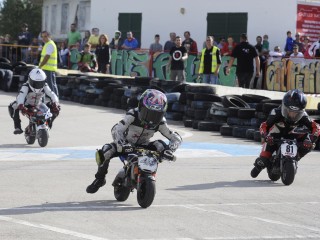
x=91 y=53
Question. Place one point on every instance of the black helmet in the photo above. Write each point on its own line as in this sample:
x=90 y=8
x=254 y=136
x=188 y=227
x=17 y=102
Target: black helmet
x=152 y=107
x=293 y=105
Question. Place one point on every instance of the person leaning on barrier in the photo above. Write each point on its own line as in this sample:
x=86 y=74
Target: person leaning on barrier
x=49 y=61
x=117 y=41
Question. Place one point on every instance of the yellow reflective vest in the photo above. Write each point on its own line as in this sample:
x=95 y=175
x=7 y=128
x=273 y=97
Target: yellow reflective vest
x=213 y=63
x=52 y=63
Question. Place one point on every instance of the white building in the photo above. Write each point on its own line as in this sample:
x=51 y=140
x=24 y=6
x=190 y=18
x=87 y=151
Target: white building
x=204 y=17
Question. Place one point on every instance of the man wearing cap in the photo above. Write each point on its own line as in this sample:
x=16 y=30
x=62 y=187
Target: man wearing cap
x=117 y=41
x=24 y=39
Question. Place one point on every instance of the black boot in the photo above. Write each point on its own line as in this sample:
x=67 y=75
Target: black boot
x=259 y=165
x=17 y=123
x=95 y=185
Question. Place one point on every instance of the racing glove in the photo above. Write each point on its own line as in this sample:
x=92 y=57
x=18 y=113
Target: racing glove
x=269 y=140
x=56 y=107
x=23 y=109
x=124 y=147
x=307 y=144
x=167 y=155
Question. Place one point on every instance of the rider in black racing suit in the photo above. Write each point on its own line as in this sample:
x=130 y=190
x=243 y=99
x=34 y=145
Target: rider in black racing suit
x=279 y=124
x=136 y=129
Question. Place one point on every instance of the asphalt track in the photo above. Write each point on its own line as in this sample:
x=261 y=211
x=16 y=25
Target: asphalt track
x=206 y=194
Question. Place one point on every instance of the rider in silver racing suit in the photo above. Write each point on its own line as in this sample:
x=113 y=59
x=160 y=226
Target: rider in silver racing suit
x=136 y=129
x=30 y=95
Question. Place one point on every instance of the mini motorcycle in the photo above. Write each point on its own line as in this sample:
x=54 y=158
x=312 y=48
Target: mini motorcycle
x=38 y=127
x=139 y=172
x=284 y=163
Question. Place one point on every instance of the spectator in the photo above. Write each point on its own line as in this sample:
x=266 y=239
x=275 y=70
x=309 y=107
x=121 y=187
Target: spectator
x=298 y=42
x=214 y=42
x=170 y=43
x=94 y=39
x=6 y=49
x=74 y=52
x=63 y=55
x=228 y=47
x=221 y=43
x=258 y=46
x=178 y=54
x=117 y=41
x=87 y=60
x=210 y=62
x=296 y=53
x=103 y=54
x=130 y=43
x=276 y=53
x=156 y=46
x=74 y=36
x=49 y=61
x=24 y=39
x=189 y=43
x=314 y=49
x=84 y=40
x=289 y=44
x=34 y=51
x=245 y=53
x=306 y=47
x=265 y=42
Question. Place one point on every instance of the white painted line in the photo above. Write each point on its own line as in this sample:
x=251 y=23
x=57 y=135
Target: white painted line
x=264 y=237
x=50 y=228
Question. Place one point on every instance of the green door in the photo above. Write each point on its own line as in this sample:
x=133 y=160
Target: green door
x=130 y=22
x=227 y=24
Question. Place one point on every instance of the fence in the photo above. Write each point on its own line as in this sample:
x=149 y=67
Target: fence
x=281 y=74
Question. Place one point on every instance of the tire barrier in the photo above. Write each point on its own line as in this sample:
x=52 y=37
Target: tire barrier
x=195 y=106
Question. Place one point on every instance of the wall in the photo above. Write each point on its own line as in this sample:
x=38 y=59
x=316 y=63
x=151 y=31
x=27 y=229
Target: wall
x=273 y=17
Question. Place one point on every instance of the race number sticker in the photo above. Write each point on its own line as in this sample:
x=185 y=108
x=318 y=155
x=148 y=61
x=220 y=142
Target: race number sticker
x=289 y=150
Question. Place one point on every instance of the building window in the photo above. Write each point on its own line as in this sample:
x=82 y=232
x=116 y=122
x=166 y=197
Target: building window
x=64 y=17
x=53 y=21
x=83 y=15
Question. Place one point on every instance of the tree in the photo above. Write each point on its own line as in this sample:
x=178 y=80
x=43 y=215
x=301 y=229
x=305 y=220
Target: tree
x=15 y=12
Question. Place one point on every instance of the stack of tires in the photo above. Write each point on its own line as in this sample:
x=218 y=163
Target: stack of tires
x=199 y=99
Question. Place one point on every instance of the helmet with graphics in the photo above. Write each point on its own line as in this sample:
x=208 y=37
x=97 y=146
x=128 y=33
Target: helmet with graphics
x=152 y=107
x=293 y=105
x=37 y=80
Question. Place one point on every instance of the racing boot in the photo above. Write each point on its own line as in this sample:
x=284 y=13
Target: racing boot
x=17 y=123
x=259 y=165
x=95 y=185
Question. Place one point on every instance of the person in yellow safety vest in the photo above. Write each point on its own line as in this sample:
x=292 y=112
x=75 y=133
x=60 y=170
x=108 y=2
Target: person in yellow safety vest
x=49 y=61
x=210 y=62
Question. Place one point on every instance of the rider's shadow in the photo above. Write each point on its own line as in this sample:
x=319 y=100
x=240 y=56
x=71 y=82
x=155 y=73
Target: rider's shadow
x=226 y=184
x=19 y=145
x=102 y=205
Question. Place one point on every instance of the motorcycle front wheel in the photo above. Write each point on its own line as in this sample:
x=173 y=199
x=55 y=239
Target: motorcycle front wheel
x=43 y=137
x=288 y=172
x=146 y=192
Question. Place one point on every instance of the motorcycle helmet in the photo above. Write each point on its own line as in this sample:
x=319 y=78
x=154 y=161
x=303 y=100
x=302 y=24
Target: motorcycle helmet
x=152 y=107
x=293 y=105
x=37 y=80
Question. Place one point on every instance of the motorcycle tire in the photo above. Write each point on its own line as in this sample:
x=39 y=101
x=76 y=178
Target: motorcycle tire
x=273 y=176
x=30 y=139
x=146 y=192
x=121 y=193
x=288 y=173
x=43 y=137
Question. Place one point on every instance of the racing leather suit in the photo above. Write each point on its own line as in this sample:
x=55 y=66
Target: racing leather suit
x=131 y=130
x=29 y=99
x=277 y=127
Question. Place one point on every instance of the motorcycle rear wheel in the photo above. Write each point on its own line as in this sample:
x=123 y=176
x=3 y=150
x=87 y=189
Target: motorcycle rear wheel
x=30 y=135
x=288 y=173
x=273 y=176
x=30 y=139
x=121 y=193
x=43 y=137
x=146 y=192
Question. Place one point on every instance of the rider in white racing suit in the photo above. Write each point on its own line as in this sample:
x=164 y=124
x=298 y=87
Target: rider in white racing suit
x=136 y=129
x=30 y=95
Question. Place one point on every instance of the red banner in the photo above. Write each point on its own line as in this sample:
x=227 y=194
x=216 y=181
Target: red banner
x=308 y=21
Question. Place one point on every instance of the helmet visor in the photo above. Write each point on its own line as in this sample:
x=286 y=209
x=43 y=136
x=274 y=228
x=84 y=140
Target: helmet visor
x=290 y=114
x=36 y=84
x=150 y=117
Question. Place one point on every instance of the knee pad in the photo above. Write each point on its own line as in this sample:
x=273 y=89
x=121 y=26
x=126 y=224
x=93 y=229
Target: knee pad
x=262 y=162
x=99 y=157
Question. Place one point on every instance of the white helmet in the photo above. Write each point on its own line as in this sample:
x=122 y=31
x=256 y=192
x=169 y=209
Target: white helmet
x=37 y=80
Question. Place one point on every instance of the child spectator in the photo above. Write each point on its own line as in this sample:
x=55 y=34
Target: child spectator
x=289 y=44
x=87 y=60
x=63 y=55
x=265 y=42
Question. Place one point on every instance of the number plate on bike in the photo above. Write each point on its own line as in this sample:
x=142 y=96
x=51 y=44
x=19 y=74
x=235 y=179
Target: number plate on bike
x=147 y=163
x=289 y=150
